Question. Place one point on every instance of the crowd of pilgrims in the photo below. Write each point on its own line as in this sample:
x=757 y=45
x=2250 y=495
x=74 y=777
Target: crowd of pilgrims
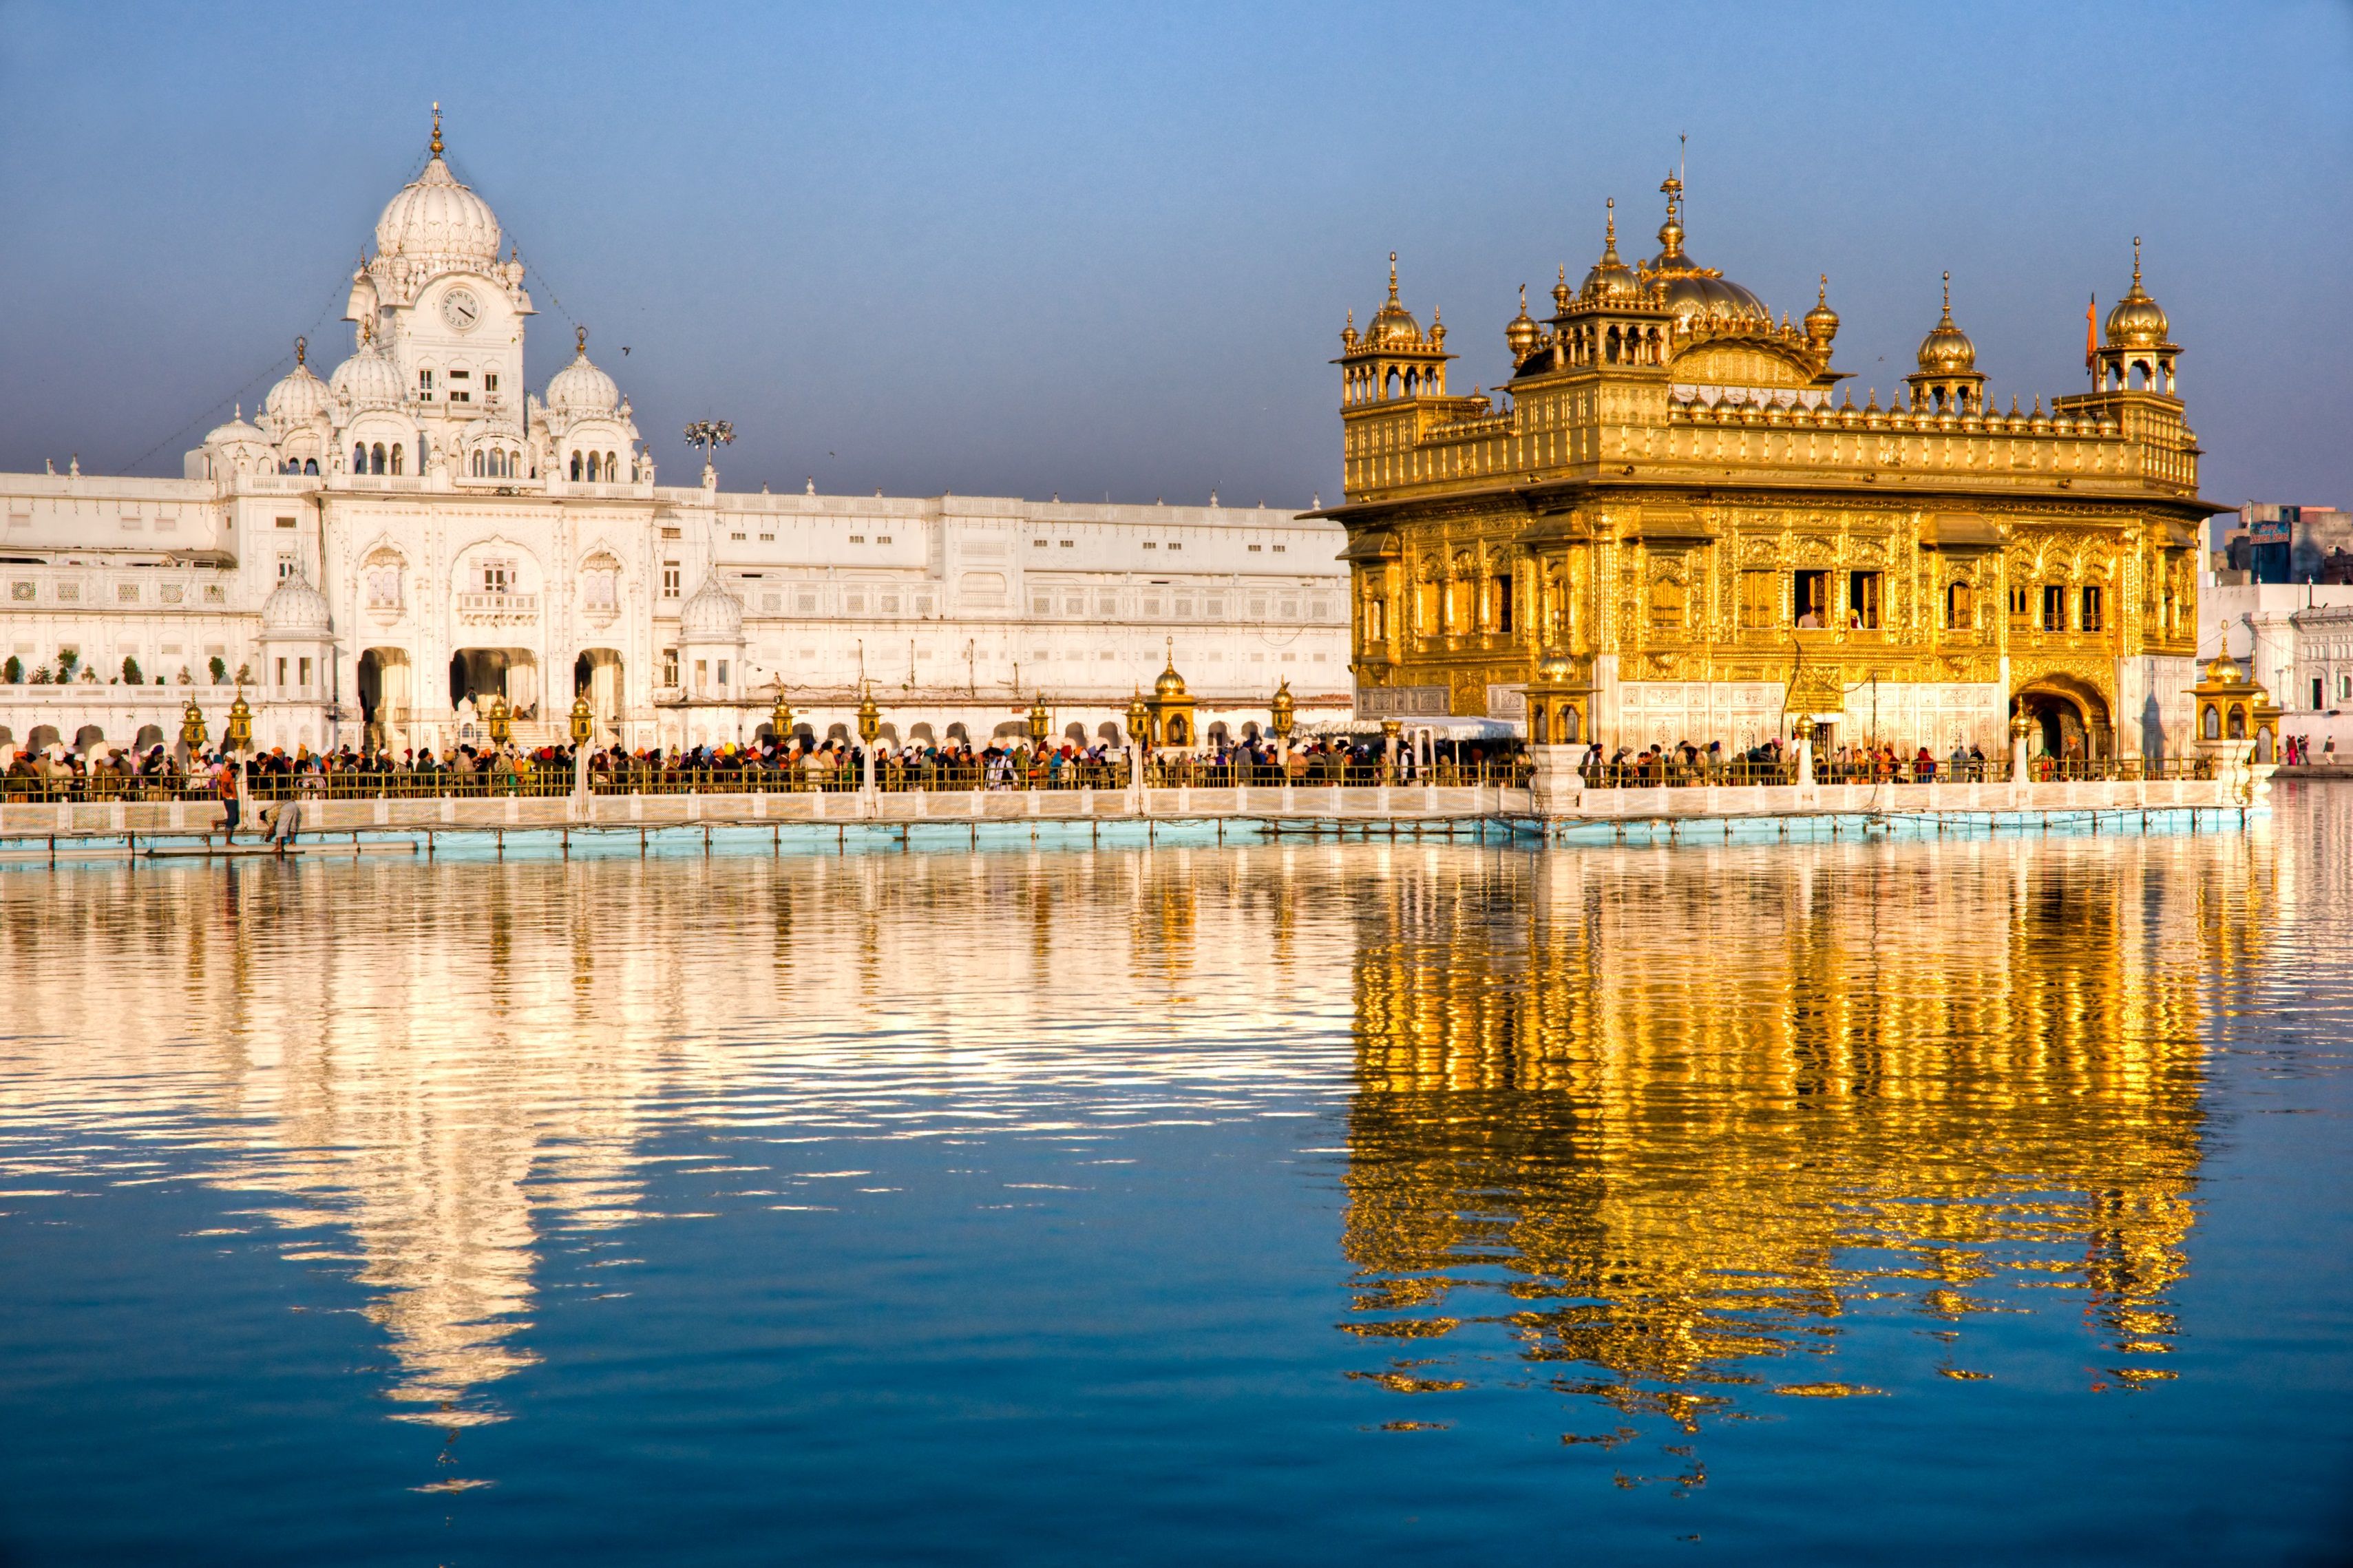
x=1772 y=763
x=803 y=761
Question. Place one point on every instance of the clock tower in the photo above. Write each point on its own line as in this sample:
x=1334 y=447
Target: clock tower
x=445 y=310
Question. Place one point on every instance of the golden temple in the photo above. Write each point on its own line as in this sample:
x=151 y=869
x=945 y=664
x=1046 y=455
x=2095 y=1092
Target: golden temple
x=1672 y=496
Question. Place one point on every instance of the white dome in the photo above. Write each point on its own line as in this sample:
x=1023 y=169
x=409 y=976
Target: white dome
x=298 y=398
x=235 y=432
x=435 y=217
x=581 y=388
x=366 y=379
x=295 y=606
x=713 y=614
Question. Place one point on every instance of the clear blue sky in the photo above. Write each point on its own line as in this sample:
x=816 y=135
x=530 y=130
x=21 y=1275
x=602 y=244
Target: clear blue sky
x=1029 y=249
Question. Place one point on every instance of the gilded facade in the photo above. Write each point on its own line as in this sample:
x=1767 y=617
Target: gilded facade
x=1673 y=494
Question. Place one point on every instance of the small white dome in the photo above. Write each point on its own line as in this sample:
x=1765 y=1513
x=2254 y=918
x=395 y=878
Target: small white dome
x=298 y=398
x=237 y=431
x=580 y=387
x=435 y=217
x=296 y=607
x=366 y=379
x=713 y=614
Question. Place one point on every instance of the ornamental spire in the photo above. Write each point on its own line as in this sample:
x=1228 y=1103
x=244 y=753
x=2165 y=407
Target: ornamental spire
x=436 y=148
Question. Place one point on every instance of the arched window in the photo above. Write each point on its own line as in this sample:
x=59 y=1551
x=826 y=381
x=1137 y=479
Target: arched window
x=575 y=465
x=612 y=470
x=375 y=458
x=310 y=465
x=395 y=457
x=479 y=468
x=359 y=460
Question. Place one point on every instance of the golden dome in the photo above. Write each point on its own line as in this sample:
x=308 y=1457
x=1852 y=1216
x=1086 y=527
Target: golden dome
x=1521 y=333
x=1555 y=669
x=1170 y=683
x=1611 y=281
x=1394 y=323
x=1694 y=292
x=1947 y=350
x=1821 y=321
x=2136 y=321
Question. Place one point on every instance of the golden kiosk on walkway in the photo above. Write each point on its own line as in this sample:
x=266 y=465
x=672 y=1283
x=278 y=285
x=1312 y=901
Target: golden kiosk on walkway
x=1672 y=495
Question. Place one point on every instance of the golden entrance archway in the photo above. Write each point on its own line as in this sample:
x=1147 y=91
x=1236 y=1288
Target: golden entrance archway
x=2071 y=717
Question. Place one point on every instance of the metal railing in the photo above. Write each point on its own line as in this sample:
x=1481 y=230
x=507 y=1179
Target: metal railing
x=957 y=775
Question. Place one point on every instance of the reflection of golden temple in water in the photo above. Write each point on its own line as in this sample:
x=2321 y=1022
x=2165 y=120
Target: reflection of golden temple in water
x=1668 y=1116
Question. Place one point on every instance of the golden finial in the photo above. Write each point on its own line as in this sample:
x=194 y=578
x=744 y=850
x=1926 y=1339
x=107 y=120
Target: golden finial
x=437 y=128
x=1393 y=297
x=302 y=347
x=580 y=336
x=1609 y=230
x=2136 y=261
x=1523 y=296
x=1948 y=301
x=1822 y=294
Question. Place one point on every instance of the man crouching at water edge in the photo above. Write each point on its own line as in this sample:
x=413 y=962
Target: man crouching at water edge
x=281 y=818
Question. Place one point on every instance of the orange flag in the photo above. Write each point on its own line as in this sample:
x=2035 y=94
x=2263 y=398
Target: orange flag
x=2091 y=342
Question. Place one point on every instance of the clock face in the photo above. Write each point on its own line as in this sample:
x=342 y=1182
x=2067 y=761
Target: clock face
x=461 y=310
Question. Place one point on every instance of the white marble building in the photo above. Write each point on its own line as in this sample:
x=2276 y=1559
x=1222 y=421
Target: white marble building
x=417 y=530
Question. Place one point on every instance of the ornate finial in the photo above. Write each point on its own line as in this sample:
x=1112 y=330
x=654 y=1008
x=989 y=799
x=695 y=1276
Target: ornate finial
x=1609 y=230
x=1523 y=297
x=580 y=335
x=301 y=348
x=2136 y=261
x=436 y=129
x=1822 y=294
x=1393 y=297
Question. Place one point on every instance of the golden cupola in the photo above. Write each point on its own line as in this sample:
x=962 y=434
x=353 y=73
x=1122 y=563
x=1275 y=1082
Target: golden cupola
x=1394 y=323
x=2139 y=355
x=1393 y=358
x=1948 y=381
x=1821 y=321
x=1522 y=334
x=1611 y=281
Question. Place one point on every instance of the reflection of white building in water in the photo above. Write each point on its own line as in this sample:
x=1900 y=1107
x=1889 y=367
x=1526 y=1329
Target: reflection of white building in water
x=418 y=528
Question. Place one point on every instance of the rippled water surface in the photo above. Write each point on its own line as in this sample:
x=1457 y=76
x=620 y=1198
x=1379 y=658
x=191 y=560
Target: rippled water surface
x=1943 y=1200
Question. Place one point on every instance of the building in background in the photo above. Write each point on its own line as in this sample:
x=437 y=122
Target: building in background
x=2269 y=542
x=381 y=553
x=1670 y=493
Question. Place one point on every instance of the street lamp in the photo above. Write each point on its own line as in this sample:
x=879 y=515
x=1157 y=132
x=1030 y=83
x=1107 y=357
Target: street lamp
x=1281 y=711
x=780 y=718
x=870 y=725
x=1040 y=722
x=583 y=721
x=192 y=729
x=239 y=734
x=501 y=724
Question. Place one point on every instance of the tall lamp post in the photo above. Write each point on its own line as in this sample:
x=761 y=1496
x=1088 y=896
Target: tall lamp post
x=238 y=736
x=710 y=435
x=870 y=725
x=1282 y=715
x=1139 y=739
x=780 y=719
x=584 y=729
x=192 y=730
